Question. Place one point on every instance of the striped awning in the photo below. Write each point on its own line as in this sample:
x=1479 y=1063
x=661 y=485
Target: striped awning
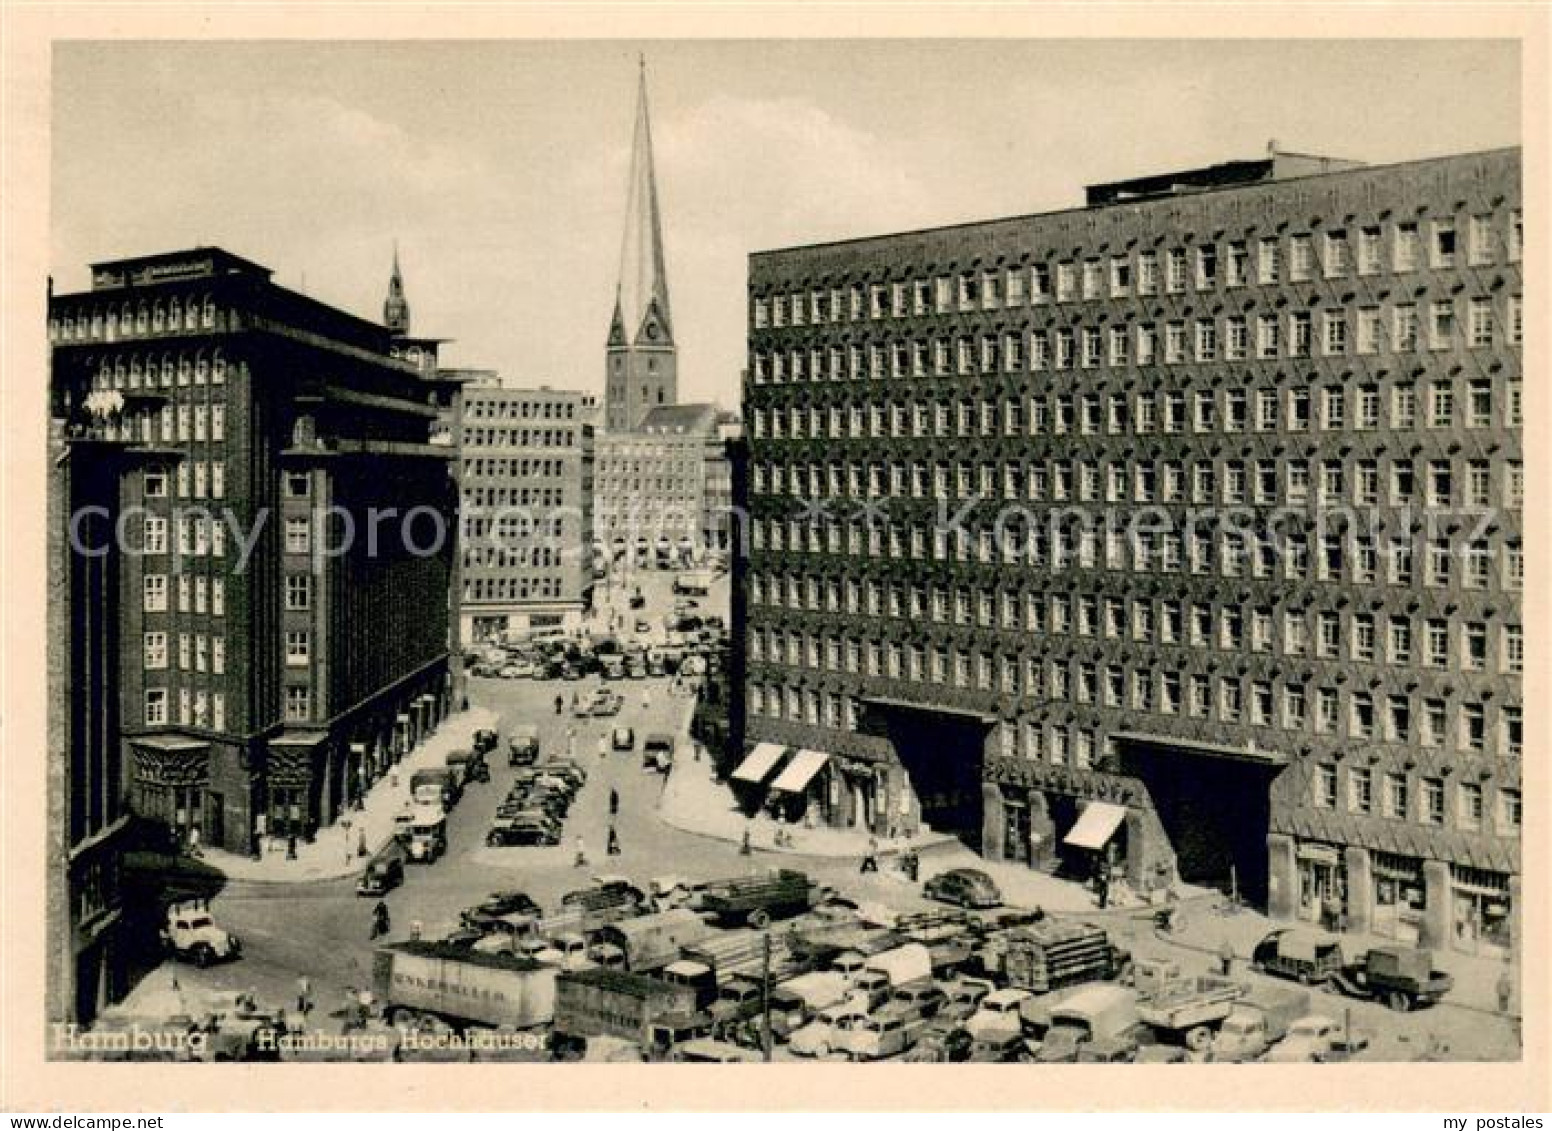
x=800 y=771
x=760 y=762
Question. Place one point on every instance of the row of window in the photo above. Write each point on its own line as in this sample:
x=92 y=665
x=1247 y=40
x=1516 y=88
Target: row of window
x=1205 y=267
x=516 y=468
x=1421 y=799
x=196 y=593
x=1473 y=561
x=480 y=408
x=197 y=652
x=106 y=322
x=196 y=708
x=520 y=557
x=512 y=589
x=192 y=479
x=1230 y=482
x=1440 y=643
x=1330 y=407
x=1298 y=708
x=1267 y=337
x=166 y=370
x=514 y=496
x=519 y=438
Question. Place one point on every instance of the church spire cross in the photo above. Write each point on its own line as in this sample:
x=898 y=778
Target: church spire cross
x=396 y=309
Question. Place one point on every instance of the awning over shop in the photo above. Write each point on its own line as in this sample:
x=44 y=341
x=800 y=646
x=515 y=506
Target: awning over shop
x=1095 y=825
x=761 y=760
x=800 y=771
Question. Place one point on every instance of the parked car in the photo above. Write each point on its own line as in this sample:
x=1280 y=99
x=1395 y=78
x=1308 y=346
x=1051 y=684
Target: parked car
x=941 y=1042
x=1312 y=957
x=624 y=739
x=504 y=903
x=1315 y=1038
x=528 y=830
x=965 y=887
x=964 y=998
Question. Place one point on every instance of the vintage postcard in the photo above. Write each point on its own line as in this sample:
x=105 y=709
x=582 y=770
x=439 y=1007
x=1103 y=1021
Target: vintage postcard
x=981 y=549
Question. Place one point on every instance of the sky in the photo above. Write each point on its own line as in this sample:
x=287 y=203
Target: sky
x=499 y=167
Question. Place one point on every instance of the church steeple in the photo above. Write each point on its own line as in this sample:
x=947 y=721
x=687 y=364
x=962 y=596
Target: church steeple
x=642 y=370
x=396 y=310
x=641 y=300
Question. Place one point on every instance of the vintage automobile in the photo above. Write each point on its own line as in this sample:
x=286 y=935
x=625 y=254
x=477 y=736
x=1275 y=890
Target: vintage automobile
x=965 y=887
x=623 y=739
x=1311 y=957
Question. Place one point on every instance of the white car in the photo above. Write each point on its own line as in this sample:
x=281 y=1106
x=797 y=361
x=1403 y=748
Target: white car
x=1315 y=1038
x=823 y=1034
x=998 y=1013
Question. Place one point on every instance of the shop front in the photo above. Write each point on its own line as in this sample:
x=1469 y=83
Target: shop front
x=1322 y=884
x=1399 y=897
x=172 y=775
x=1100 y=838
x=801 y=791
x=1481 y=909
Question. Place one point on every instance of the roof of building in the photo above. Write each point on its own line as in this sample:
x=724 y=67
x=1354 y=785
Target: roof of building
x=1298 y=166
x=642 y=296
x=680 y=418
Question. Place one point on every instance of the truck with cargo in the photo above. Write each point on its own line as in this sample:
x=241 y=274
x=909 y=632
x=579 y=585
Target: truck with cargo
x=649 y=941
x=1048 y=955
x=797 y=1000
x=427 y=833
x=462 y=987
x=884 y=973
x=731 y=953
x=756 y=900
x=1308 y=956
x=1190 y=1009
x=1258 y=1020
x=1402 y=977
x=523 y=746
x=649 y=1012
x=469 y=766
x=1094 y=1014
x=434 y=785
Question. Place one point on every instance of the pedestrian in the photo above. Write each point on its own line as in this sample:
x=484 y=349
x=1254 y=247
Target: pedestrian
x=870 y=861
x=614 y=842
x=304 y=995
x=416 y=926
x=614 y=802
x=1226 y=958
x=745 y=848
x=379 y=920
x=603 y=746
x=560 y=704
x=291 y=847
x=194 y=841
x=646 y=700
x=581 y=861
x=1505 y=990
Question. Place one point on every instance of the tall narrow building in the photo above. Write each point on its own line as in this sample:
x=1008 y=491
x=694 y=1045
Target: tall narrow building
x=642 y=360
x=396 y=308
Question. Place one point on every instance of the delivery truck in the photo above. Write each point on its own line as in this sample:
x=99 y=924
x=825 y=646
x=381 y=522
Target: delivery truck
x=756 y=900
x=462 y=987
x=648 y=942
x=649 y=1012
x=434 y=785
x=1258 y=1020
x=1190 y=1009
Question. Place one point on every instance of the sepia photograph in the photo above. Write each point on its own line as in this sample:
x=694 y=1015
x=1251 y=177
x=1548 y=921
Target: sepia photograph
x=649 y=550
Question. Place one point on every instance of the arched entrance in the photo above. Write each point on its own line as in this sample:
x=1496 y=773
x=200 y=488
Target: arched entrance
x=942 y=752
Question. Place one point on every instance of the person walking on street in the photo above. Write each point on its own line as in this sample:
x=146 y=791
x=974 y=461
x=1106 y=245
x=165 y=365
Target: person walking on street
x=581 y=861
x=614 y=842
x=614 y=802
x=304 y=995
x=560 y=704
x=1226 y=958
x=1504 y=990
x=870 y=861
x=379 y=920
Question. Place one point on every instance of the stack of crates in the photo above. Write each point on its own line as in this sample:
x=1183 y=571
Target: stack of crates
x=1050 y=955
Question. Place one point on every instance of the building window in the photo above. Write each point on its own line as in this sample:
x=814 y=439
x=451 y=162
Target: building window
x=298 y=703
x=299 y=589
x=1360 y=790
x=1510 y=810
x=1323 y=786
x=1396 y=796
x=297 y=648
x=1432 y=812
x=155 y=593
x=1469 y=808
x=155 y=651
x=156 y=706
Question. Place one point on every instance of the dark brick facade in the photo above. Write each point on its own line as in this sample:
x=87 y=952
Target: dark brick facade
x=261 y=424
x=1330 y=726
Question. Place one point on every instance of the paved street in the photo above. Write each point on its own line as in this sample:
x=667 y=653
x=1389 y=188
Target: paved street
x=321 y=928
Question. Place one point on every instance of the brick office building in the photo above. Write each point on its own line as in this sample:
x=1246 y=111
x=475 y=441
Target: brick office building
x=269 y=667
x=527 y=497
x=1180 y=660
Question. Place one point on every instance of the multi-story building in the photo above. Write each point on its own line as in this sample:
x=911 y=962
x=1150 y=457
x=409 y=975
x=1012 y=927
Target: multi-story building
x=1149 y=535
x=641 y=360
x=280 y=633
x=665 y=489
x=88 y=827
x=527 y=508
